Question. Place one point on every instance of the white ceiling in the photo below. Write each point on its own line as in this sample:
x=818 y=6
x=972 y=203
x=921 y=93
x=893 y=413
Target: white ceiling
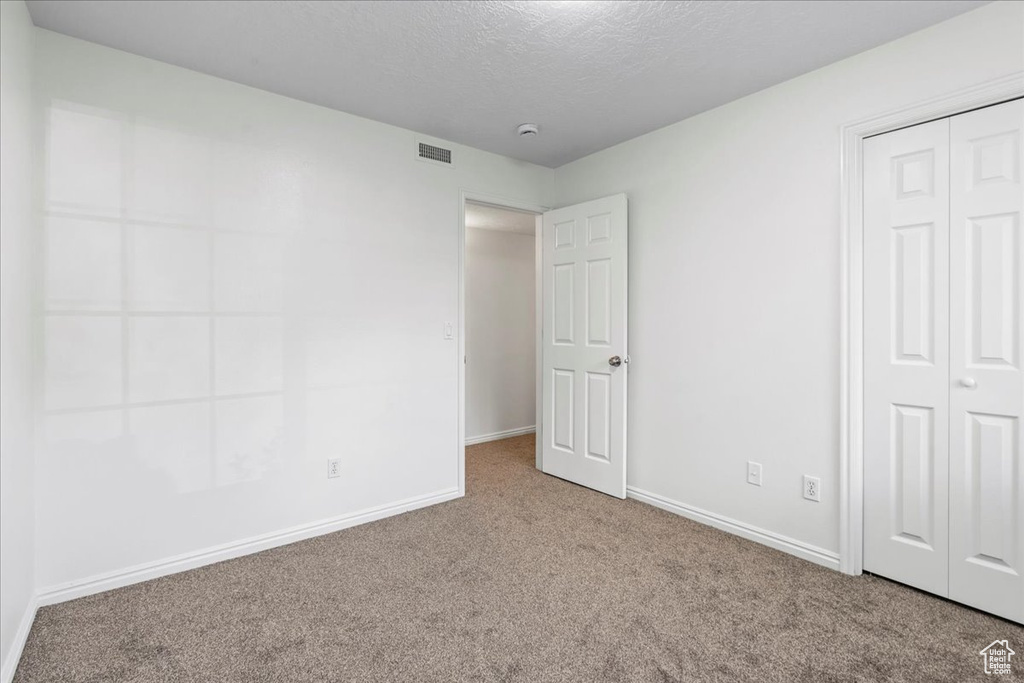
x=488 y=217
x=591 y=74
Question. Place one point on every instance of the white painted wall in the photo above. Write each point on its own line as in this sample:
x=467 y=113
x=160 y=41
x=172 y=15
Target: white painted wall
x=501 y=343
x=734 y=273
x=17 y=550
x=238 y=286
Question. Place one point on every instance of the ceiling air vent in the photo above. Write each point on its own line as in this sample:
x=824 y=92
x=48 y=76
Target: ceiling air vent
x=434 y=154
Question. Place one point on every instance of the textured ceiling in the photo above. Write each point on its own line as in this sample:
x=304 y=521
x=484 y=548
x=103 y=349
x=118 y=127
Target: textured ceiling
x=591 y=74
x=493 y=218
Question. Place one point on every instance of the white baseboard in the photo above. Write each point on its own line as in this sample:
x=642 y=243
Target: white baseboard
x=805 y=551
x=508 y=433
x=172 y=565
x=10 y=664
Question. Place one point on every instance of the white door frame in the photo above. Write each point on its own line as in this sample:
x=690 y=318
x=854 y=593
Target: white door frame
x=851 y=344
x=501 y=203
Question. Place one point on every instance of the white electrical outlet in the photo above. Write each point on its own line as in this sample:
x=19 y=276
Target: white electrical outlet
x=753 y=473
x=812 y=488
x=333 y=468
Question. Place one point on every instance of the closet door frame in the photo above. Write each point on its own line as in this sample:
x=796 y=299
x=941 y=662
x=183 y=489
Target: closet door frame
x=851 y=350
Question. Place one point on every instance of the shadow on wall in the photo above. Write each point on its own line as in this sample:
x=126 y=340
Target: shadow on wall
x=198 y=328
x=163 y=326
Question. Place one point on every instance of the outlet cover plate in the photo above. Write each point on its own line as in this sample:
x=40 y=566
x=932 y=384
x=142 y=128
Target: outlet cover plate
x=334 y=468
x=812 y=488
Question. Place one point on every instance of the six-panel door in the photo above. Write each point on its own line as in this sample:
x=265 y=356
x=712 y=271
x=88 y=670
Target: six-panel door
x=584 y=326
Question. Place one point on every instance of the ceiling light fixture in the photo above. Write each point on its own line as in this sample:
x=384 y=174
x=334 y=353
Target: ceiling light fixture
x=527 y=130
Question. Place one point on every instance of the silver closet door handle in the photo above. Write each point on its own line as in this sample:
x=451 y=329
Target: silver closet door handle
x=968 y=382
x=615 y=361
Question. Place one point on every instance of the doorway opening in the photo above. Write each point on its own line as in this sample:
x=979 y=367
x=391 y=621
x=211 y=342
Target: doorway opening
x=581 y=357
x=500 y=309
x=500 y=321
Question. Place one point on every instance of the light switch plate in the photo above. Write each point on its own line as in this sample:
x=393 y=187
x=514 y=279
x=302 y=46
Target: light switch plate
x=753 y=473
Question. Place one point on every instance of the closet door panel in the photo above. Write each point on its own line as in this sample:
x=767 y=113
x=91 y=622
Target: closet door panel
x=906 y=392
x=986 y=382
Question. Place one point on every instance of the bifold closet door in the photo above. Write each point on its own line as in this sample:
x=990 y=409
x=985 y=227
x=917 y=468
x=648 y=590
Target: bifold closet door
x=986 y=384
x=906 y=355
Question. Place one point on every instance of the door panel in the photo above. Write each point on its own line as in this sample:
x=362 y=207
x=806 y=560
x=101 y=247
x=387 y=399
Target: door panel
x=598 y=415
x=599 y=302
x=562 y=304
x=913 y=472
x=992 y=282
x=584 y=397
x=913 y=293
x=563 y=414
x=906 y=393
x=986 y=383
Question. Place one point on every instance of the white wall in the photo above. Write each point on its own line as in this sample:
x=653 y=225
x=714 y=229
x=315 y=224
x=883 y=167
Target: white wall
x=734 y=273
x=238 y=286
x=500 y=332
x=17 y=550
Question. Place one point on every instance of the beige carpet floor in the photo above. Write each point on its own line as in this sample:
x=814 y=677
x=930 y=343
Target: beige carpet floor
x=527 y=578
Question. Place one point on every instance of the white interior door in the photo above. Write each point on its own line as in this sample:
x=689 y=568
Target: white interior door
x=987 y=387
x=906 y=355
x=583 y=344
x=943 y=347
